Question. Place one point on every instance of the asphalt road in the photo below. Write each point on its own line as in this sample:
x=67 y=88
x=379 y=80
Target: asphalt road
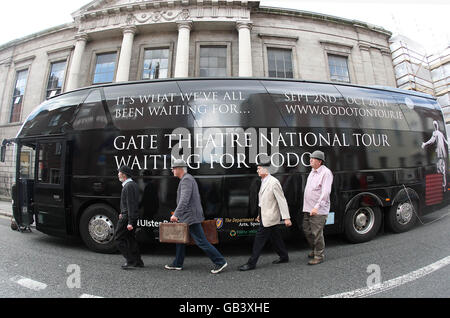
x=36 y=265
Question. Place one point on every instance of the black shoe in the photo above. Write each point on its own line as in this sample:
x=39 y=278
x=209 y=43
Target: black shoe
x=128 y=265
x=280 y=261
x=246 y=267
x=140 y=263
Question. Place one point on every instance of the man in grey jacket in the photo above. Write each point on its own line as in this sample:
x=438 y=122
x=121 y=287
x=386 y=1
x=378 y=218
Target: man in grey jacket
x=189 y=210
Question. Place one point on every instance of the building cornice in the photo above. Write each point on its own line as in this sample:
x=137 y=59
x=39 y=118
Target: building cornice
x=36 y=35
x=278 y=36
x=321 y=17
x=94 y=9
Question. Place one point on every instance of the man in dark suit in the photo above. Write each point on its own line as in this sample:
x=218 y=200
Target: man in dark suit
x=189 y=210
x=129 y=212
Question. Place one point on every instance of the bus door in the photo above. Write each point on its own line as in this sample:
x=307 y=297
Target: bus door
x=49 y=199
x=22 y=191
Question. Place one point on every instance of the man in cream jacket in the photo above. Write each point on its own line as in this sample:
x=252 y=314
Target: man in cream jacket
x=273 y=208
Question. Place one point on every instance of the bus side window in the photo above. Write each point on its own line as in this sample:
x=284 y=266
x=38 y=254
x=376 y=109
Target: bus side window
x=49 y=171
x=91 y=114
x=27 y=157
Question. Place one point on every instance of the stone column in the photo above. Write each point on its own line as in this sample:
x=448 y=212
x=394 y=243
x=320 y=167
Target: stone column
x=389 y=67
x=367 y=64
x=123 y=68
x=182 y=57
x=73 y=80
x=245 y=49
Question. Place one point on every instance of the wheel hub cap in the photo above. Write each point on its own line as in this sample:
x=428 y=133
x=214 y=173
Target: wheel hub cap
x=404 y=213
x=101 y=229
x=363 y=220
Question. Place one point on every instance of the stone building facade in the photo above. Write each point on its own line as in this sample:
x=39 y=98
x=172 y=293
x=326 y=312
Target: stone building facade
x=122 y=40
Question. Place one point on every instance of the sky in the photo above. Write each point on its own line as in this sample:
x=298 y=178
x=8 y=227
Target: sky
x=424 y=21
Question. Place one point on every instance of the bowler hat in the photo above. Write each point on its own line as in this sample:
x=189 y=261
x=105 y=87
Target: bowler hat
x=179 y=163
x=318 y=155
x=265 y=162
x=126 y=170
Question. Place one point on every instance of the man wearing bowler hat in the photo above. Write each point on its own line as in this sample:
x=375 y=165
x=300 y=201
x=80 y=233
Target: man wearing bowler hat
x=189 y=210
x=273 y=208
x=129 y=213
x=316 y=205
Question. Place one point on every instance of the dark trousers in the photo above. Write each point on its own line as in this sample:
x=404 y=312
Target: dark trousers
x=126 y=242
x=262 y=236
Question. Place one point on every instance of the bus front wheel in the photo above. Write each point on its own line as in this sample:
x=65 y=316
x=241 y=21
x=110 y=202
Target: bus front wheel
x=362 y=224
x=97 y=226
x=402 y=216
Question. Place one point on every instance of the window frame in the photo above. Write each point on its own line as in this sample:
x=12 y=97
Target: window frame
x=278 y=41
x=144 y=47
x=329 y=70
x=224 y=44
x=13 y=96
x=94 y=58
x=341 y=49
x=49 y=72
x=269 y=47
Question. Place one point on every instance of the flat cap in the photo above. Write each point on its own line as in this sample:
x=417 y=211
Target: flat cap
x=179 y=163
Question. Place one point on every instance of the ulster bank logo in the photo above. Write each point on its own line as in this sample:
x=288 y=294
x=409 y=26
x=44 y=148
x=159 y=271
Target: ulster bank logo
x=219 y=223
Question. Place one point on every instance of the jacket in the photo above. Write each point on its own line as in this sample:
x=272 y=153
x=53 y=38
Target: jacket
x=129 y=202
x=189 y=207
x=274 y=207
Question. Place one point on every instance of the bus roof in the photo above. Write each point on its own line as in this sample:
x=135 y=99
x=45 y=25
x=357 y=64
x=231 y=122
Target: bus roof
x=376 y=87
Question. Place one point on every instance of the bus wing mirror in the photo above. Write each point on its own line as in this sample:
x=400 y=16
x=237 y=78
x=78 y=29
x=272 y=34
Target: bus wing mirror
x=6 y=142
x=3 y=153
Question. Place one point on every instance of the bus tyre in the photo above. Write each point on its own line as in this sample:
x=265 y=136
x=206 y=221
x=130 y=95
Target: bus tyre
x=97 y=225
x=362 y=224
x=402 y=216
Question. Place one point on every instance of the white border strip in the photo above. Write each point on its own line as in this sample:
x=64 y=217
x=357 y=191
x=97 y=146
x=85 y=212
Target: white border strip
x=390 y=284
x=29 y=283
x=89 y=296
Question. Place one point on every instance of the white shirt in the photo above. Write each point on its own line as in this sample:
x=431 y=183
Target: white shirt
x=126 y=181
x=264 y=180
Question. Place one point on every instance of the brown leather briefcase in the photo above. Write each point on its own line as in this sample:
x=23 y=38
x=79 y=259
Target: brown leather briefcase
x=210 y=229
x=174 y=233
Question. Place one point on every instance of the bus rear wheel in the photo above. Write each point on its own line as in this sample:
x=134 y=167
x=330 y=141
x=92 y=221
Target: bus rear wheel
x=362 y=224
x=402 y=216
x=97 y=225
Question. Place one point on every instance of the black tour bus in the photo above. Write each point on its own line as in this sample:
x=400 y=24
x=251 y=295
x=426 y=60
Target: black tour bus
x=387 y=149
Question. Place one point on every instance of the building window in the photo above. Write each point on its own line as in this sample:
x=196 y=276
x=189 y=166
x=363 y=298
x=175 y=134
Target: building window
x=56 y=79
x=280 y=63
x=213 y=61
x=17 y=100
x=338 y=68
x=105 y=67
x=156 y=64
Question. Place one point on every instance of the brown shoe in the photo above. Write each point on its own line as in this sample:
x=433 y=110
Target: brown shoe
x=315 y=261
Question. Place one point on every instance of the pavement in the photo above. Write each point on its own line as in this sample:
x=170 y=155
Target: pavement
x=411 y=264
x=6 y=208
